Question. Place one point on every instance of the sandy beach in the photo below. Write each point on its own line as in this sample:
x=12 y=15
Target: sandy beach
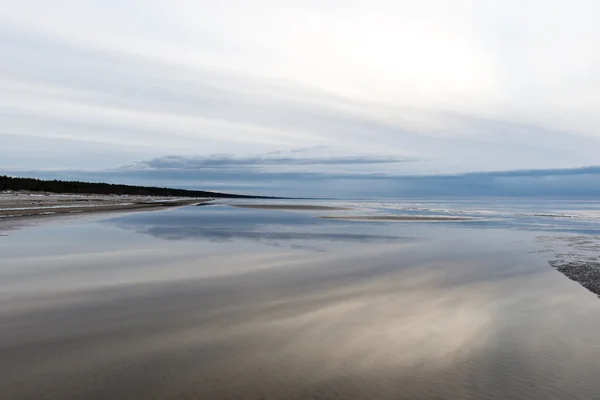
x=290 y=207
x=20 y=205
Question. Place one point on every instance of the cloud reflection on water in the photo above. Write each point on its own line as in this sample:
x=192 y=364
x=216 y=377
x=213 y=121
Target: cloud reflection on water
x=278 y=229
x=383 y=322
x=196 y=309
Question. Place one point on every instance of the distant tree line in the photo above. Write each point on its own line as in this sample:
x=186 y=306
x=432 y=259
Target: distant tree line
x=57 y=186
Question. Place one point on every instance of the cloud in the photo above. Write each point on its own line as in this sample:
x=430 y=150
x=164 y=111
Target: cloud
x=593 y=170
x=464 y=87
x=277 y=160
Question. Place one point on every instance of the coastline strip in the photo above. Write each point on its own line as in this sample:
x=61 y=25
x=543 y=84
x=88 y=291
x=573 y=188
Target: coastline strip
x=399 y=218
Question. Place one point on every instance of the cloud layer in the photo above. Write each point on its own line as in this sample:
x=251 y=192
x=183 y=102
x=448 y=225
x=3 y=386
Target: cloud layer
x=451 y=86
x=295 y=160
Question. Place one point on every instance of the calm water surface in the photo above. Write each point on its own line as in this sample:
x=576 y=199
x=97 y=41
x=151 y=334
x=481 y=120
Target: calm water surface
x=218 y=302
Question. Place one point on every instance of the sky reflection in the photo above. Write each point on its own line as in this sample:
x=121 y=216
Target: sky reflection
x=130 y=306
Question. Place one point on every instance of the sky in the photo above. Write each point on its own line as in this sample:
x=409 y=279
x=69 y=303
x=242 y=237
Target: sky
x=353 y=97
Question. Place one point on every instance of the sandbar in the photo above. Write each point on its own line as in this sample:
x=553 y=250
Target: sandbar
x=291 y=207
x=399 y=218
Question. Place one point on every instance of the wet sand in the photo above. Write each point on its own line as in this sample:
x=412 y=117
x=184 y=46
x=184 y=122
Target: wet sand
x=399 y=218
x=577 y=257
x=165 y=305
x=290 y=207
x=18 y=206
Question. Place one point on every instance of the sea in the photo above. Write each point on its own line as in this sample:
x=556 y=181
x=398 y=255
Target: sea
x=489 y=298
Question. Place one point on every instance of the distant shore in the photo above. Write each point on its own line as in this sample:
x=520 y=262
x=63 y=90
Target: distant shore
x=33 y=185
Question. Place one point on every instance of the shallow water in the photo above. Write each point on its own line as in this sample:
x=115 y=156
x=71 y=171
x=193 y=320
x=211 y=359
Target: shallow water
x=220 y=302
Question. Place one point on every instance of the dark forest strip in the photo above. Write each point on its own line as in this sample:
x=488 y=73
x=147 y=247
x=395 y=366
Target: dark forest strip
x=58 y=186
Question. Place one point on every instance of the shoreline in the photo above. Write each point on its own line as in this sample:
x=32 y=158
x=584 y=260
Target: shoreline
x=17 y=208
x=289 y=207
x=17 y=213
x=397 y=218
